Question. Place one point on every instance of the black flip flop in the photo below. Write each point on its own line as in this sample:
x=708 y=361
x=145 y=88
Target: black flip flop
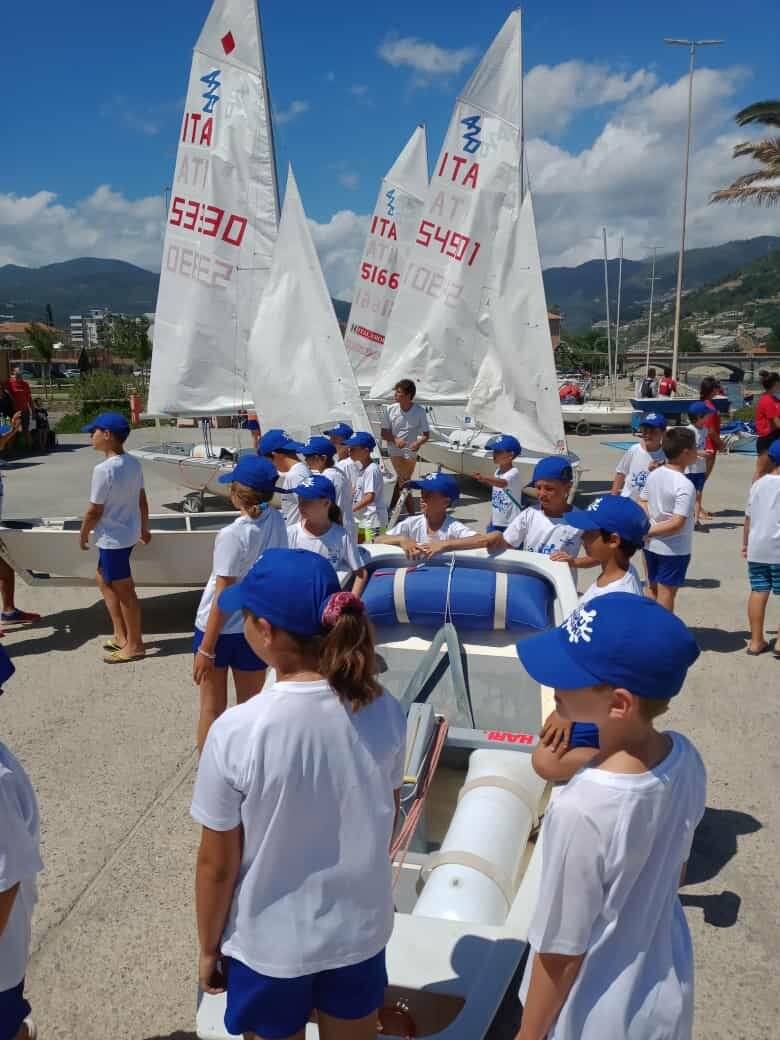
x=758 y=653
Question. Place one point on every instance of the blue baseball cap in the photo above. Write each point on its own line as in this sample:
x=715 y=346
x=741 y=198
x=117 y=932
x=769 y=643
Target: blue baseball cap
x=621 y=639
x=653 y=419
x=114 y=422
x=444 y=483
x=319 y=446
x=615 y=514
x=361 y=439
x=290 y=588
x=315 y=486
x=277 y=440
x=341 y=429
x=698 y=409
x=773 y=451
x=253 y=470
x=505 y=442
x=554 y=467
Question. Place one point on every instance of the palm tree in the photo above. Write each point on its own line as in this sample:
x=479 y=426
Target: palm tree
x=757 y=186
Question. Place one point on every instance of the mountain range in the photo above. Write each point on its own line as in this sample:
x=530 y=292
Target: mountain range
x=75 y=286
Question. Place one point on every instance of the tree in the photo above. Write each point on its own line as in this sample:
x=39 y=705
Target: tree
x=129 y=337
x=49 y=316
x=689 y=342
x=773 y=339
x=761 y=185
x=42 y=341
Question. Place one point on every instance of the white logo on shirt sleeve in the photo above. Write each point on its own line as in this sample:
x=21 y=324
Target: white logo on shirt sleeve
x=579 y=625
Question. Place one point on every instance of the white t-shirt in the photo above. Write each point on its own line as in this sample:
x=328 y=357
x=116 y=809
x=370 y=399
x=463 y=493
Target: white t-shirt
x=335 y=545
x=502 y=509
x=630 y=582
x=294 y=476
x=351 y=470
x=408 y=425
x=763 y=508
x=375 y=513
x=533 y=531
x=669 y=493
x=117 y=483
x=20 y=863
x=344 y=492
x=416 y=528
x=635 y=468
x=614 y=846
x=700 y=465
x=237 y=549
x=312 y=783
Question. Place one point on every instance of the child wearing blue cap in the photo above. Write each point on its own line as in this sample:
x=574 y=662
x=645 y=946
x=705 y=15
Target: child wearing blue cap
x=11 y=614
x=761 y=548
x=219 y=644
x=698 y=413
x=545 y=529
x=118 y=512
x=642 y=458
x=319 y=453
x=507 y=484
x=670 y=501
x=298 y=792
x=433 y=531
x=369 y=503
x=610 y=948
x=320 y=529
x=338 y=436
x=283 y=452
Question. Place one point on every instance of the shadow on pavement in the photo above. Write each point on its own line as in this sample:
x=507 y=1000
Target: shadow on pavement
x=173 y=1036
x=719 y=641
x=702 y=583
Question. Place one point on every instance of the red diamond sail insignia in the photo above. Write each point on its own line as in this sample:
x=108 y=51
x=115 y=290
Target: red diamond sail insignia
x=228 y=43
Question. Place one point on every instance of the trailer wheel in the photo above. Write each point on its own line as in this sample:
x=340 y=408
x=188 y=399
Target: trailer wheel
x=193 y=503
x=582 y=429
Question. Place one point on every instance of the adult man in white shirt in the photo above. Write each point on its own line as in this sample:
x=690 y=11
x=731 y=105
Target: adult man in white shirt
x=405 y=429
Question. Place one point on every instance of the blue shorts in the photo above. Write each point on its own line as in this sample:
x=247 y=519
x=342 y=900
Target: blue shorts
x=114 y=564
x=666 y=570
x=764 y=577
x=496 y=527
x=275 y=1008
x=583 y=734
x=698 y=480
x=13 y=1011
x=232 y=651
x=250 y=424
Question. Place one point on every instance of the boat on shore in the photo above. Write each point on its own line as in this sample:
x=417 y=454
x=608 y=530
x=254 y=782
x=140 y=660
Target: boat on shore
x=466 y=858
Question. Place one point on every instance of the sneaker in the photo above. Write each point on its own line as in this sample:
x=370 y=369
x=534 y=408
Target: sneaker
x=18 y=617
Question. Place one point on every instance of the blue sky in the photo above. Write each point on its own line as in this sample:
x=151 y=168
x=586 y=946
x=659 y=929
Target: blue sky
x=96 y=91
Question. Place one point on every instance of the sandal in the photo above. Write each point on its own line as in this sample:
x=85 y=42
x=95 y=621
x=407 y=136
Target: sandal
x=113 y=646
x=116 y=658
x=757 y=653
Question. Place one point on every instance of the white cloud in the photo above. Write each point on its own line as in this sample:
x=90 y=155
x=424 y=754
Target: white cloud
x=359 y=90
x=349 y=179
x=427 y=59
x=293 y=110
x=340 y=244
x=552 y=94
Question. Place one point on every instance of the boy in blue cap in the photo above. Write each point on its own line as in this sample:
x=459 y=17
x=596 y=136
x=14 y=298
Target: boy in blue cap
x=761 y=548
x=320 y=529
x=219 y=645
x=611 y=953
x=280 y=449
x=698 y=413
x=297 y=792
x=433 y=531
x=642 y=458
x=338 y=436
x=118 y=512
x=319 y=452
x=507 y=484
x=369 y=502
x=545 y=529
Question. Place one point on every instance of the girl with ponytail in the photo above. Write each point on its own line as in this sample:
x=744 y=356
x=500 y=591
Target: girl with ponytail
x=297 y=792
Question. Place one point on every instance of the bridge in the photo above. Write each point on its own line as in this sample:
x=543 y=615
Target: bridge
x=736 y=361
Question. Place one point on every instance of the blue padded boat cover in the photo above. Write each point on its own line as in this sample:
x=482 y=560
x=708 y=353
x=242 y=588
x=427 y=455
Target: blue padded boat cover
x=529 y=599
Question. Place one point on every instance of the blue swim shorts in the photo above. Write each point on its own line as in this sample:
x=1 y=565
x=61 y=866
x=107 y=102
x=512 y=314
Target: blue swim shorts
x=232 y=651
x=666 y=570
x=275 y=1008
x=13 y=1011
x=698 y=480
x=114 y=564
x=764 y=577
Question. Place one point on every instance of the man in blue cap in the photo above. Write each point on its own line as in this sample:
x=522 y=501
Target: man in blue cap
x=611 y=954
x=118 y=512
x=283 y=451
x=507 y=484
x=434 y=531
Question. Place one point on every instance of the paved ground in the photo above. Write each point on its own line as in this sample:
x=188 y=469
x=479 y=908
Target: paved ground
x=111 y=753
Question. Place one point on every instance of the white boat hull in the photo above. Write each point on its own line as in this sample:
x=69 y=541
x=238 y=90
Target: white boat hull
x=178 y=466
x=47 y=551
x=595 y=413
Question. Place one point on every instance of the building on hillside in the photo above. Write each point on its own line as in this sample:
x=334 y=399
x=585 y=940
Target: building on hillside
x=86 y=330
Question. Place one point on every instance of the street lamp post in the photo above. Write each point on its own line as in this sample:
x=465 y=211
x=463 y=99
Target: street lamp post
x=691 y=45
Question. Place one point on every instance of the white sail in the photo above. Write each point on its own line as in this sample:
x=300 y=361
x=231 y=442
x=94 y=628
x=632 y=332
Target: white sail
x=391 y=231
x=222 y=222
x=466 y=324
x=299 y=371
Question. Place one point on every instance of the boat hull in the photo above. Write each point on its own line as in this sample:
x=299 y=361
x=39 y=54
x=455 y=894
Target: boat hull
x=179 y=467
x=675 y=406
x=592 y=413
x=47 y=551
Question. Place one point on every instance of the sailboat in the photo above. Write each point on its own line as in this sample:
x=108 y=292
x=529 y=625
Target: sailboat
x=391 y=230
x=222 y=224
x=470 y=323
